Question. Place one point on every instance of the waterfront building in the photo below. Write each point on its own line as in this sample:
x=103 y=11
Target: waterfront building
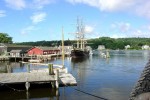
x=127 y=47
x=34 y=51
x=13 y=50
x=145 y=47
x=101 y=47
x=67 y=49
x=16 y=53
x=3 y=49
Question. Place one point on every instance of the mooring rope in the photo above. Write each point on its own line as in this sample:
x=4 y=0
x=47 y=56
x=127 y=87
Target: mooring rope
x=87 y=93
x=3 y=84
x=91 y=94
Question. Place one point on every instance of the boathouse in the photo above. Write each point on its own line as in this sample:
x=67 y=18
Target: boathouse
x=14 y=50
x=16 y=53
x=43 y=51
x=3 y=49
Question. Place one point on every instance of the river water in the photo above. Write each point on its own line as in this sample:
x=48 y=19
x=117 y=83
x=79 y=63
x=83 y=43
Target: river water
x=97 y=77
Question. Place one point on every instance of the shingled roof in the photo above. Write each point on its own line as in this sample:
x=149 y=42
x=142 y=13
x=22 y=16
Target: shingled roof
x=48 y=48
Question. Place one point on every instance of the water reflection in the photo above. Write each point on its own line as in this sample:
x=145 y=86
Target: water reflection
x=77 y=60
x=111 y=78
x=42 y=93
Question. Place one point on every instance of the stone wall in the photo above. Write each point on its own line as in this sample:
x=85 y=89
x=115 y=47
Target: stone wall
x=143 y=84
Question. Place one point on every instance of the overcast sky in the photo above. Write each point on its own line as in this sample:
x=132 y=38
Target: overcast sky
x=36 y=20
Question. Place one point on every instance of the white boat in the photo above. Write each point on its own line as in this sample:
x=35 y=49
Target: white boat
x=35 y=61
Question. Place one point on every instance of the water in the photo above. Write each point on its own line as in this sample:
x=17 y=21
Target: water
x=111 y=78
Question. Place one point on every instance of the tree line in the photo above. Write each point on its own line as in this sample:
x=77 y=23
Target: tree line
x=109 y=43
x=119 y=43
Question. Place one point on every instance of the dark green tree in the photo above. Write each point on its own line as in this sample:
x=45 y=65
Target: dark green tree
x=5 y=38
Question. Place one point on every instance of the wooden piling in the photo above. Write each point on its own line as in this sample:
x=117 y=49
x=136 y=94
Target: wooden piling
x=57 y=79
x=50 y=67
x=28 y=68
x=107 y=54
x=27 y=84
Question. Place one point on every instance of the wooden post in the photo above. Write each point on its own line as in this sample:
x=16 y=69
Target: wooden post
x=27 y=84
x=66 y=70
x=57 y=94
x=28 y=68
x=50 y=67
x=57 y=79
x=8 y=68
x=27 y=95
x=107 y=54
x=53 y=84
x=15 y=58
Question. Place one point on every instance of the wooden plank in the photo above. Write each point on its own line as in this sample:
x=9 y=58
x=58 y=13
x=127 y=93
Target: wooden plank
x=37 y=76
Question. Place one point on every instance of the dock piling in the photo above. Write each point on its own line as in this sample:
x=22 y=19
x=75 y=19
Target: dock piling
x=50 y=66
x=28 y=68
x=57 y=79
x=27 y=84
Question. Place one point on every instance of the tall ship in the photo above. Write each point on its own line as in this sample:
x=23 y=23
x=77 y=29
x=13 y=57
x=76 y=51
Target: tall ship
x=80 y=50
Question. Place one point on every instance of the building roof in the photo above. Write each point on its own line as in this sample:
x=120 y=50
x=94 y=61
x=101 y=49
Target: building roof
x=48 y=48
x=44 y=48
x=10 y=47
x=16 y=51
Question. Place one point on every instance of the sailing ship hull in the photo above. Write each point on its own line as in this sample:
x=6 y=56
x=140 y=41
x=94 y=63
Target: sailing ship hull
x=77 y=53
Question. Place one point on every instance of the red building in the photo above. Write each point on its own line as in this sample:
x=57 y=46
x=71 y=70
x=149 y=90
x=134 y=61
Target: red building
x=43 y=51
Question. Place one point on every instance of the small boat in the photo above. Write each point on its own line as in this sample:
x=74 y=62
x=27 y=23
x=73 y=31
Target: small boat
x=35 y=61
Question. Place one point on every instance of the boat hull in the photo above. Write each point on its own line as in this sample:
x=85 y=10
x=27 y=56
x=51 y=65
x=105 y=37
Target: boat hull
x=76 y=53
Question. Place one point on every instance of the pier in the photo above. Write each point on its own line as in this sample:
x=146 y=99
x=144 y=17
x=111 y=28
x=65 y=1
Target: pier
x=141 y=90
x=54 y=76
x=4 y=58
x=26 y=58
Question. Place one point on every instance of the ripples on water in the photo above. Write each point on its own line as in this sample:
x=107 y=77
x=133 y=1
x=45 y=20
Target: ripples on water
x=111 y=78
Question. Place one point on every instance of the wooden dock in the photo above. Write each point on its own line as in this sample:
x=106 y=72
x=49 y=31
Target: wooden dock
x=60 y=76
x=4 y=58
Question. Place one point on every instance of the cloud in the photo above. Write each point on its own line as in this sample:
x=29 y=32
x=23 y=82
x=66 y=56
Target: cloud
x=106 y=5
x=140 y=33
x=122 y=27
x=88 y=29
x=143 y=9
x=21 y=4
x=118 y=36
x=16 y=4
x=38 y=17
x=39 y=4
x=139 y=7
x=27 y=29
x=2 y=13
x=115 y=5
x=93 y=3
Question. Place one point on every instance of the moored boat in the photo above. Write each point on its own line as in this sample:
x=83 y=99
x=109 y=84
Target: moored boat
x=75 y=53
x=80 y=50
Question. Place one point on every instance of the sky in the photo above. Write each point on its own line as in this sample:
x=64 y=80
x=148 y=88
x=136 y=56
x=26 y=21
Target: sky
x=38 y=20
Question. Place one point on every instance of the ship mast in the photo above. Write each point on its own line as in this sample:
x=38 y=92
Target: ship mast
x=77 y=33
x=80 y=34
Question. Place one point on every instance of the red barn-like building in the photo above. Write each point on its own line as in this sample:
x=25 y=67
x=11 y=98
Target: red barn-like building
x=43 y=51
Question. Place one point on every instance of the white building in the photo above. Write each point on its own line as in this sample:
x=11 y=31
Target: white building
x=101 y=47
x=145 y=47
x=127 y=47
